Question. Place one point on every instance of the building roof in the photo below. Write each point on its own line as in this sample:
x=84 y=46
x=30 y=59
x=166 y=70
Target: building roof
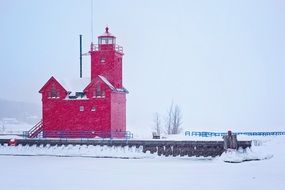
x=75 y=87
x=75 y=84
x=52 y=79
x=111 y=86
x=107 y=82
x=107 y=34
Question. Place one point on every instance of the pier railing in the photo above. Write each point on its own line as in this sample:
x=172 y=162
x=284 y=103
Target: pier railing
x=87 y=134
x=220 y=134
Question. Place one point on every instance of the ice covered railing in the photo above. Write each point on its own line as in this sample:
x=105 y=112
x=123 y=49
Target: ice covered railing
x=219 y=134
x=97 y=47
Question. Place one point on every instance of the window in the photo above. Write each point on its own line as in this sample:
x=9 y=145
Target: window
x=93 y=108
x=98 y=90
x=103 y=94
x=106 y=40
x=81 y=108
x=53 y=93
x=99 y=93
x=102 y=60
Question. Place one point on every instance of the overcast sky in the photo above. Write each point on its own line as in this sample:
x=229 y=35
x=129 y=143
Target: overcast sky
x=222 y=61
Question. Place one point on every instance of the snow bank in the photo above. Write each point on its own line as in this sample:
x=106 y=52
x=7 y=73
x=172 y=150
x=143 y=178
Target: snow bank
x=261 y=149
x=241 y=155
x=76 y=151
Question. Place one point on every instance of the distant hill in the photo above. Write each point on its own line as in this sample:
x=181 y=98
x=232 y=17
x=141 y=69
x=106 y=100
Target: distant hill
x=22 y=111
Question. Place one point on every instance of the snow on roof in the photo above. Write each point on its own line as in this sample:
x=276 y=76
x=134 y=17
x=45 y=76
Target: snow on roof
x=111 y=86
x=122 y=90
x=75 y=84
x=79 y=84
x=107 y=82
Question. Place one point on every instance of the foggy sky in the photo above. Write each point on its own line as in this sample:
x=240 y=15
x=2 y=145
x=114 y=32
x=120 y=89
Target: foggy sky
x=222 y=61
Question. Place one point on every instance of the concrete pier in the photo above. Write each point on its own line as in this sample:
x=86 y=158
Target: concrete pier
x=160 y=147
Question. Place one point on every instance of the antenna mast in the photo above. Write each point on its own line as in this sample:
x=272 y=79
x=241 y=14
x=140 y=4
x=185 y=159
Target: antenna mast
x=80 y=42
x=91 y=21
x=80 y=39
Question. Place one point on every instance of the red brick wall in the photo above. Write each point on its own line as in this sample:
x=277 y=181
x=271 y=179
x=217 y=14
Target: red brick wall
x=118 y=113
x=110 y=69
x=60 y=114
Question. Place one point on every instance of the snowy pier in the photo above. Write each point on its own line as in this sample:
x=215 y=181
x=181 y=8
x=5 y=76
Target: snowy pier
x=159 y=147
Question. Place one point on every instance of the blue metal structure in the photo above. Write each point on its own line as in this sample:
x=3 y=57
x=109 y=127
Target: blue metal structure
x=220 y=134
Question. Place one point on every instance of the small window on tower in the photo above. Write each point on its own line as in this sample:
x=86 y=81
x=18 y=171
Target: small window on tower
x=102 y=60
x=81 y=108
x=104 y=40
x=93 y=108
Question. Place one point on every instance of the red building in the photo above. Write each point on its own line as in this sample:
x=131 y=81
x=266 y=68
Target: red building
x=98 y=109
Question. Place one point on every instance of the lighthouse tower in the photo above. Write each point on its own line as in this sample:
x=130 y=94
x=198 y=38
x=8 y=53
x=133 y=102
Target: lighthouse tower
x=98 y=108
x=106 y=59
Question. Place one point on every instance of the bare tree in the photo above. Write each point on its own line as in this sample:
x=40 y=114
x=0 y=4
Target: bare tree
x=176 y=120
x=169 y=122
x=173 y=120
x=157 y=124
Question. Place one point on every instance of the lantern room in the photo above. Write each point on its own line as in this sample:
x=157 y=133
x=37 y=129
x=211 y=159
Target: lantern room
x=106 y=38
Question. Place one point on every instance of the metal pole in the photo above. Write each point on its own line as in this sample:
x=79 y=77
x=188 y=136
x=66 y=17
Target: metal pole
x=80 y=36
x=92 y=21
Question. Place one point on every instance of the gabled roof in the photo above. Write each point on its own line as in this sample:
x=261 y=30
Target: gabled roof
x=52 y=79
x=102 y=78
x=107 y=82
x=79 y=84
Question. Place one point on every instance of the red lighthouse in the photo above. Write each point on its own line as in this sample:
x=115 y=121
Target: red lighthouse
x=98 y=108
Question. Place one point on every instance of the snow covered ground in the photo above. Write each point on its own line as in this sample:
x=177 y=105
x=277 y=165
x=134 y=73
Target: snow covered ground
x=150 y=172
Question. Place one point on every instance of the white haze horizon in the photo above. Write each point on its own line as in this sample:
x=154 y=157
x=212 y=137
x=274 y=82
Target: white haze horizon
x=222 y=62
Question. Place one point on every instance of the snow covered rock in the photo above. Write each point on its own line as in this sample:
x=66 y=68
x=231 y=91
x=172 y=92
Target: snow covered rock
x=241 y=155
